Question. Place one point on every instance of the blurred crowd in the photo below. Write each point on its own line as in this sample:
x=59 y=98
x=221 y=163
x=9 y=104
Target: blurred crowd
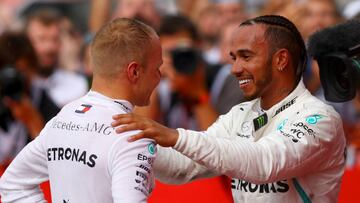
x=44 y=59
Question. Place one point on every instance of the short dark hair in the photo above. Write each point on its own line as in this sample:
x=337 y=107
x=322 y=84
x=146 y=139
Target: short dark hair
x=282 y=33
x=15 y=46
x=173 y=24
x=46 y=16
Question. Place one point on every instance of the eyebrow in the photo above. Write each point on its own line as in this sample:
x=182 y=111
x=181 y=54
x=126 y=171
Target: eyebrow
x=241 y=51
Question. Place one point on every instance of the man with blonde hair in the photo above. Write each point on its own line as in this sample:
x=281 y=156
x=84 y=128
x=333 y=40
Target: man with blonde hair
x=78 y=150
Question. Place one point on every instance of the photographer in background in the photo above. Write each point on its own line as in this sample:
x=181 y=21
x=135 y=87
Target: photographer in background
x=20 y=120
x=185 y=98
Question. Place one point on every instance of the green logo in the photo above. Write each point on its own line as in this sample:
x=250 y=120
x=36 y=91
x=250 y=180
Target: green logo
x=313 y=119
x=151 y=148
x=261 y=120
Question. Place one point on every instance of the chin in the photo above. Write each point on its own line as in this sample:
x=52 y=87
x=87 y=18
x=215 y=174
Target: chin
x=251 y=96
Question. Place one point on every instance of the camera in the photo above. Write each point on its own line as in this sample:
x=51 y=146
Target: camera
x=337 y=51
x=340 y=74
x=185 y=59
x=12 y=85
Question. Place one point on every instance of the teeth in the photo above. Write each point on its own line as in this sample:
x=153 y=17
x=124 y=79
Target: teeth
x=241 y=82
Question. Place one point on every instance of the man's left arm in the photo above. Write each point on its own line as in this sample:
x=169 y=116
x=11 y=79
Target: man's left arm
x=20 y=182
x=130 y=169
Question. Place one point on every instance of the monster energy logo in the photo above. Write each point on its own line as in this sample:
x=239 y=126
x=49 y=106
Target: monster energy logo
x=260 y=121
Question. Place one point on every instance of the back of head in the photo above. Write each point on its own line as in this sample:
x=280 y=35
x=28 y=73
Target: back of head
x=118 y=43
x=174 y=24
x=282 y=33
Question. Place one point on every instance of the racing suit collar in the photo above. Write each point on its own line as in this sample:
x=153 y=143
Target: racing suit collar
x=265 y=116
x=288 y=101
x=124 y=104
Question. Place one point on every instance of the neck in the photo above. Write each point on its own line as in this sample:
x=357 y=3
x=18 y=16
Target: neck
x=279 y=92
x=111 y=88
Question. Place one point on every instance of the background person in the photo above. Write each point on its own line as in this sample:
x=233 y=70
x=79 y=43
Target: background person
x=43 y=27
x=20 y=119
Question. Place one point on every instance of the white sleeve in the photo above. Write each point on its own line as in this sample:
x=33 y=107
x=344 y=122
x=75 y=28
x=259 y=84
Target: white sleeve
x=20 y=182
x=172 y=167
x=130 y=169
x=175 y=168
x=275 y=156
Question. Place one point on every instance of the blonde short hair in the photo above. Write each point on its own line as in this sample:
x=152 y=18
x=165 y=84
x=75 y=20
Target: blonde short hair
x=118 y=43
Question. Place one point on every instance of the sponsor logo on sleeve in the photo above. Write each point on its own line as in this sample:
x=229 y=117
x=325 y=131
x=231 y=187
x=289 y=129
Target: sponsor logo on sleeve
x=142 y=157
x=143 y=182
x=151 y=148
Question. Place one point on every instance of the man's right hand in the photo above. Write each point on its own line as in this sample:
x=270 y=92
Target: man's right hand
x=163 y=136
x=25 y=112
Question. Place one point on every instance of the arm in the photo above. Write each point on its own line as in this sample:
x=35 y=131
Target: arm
x=275 y=156
x=130 y=169
x=26 y=113
x=99 y=14
x=172 y=167
x=20 y=182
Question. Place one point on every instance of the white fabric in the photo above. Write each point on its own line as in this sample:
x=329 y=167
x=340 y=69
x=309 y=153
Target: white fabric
x=212 y=56
x=351 y=9
x=12 y=141
x=84 y=158
x=298 y=156
x=63 y=86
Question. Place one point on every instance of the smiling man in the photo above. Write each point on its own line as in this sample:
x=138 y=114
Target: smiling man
x=282 y=146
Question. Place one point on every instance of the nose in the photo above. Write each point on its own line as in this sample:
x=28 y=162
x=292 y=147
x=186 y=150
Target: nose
x=237 y=68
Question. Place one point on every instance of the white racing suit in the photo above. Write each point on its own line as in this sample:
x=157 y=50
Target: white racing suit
x=293 y=152
x=84 y=158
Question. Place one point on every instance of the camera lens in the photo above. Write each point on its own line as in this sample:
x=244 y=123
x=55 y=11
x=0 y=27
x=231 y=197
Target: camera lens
x=12 y=83
x=341 y=75
x=185 y=60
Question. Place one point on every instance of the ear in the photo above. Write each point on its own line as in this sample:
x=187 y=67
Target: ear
x=281 y=59
x=133 y=71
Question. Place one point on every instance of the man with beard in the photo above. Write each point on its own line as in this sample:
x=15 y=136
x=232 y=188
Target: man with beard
x=43 y=28
x=283 y=145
